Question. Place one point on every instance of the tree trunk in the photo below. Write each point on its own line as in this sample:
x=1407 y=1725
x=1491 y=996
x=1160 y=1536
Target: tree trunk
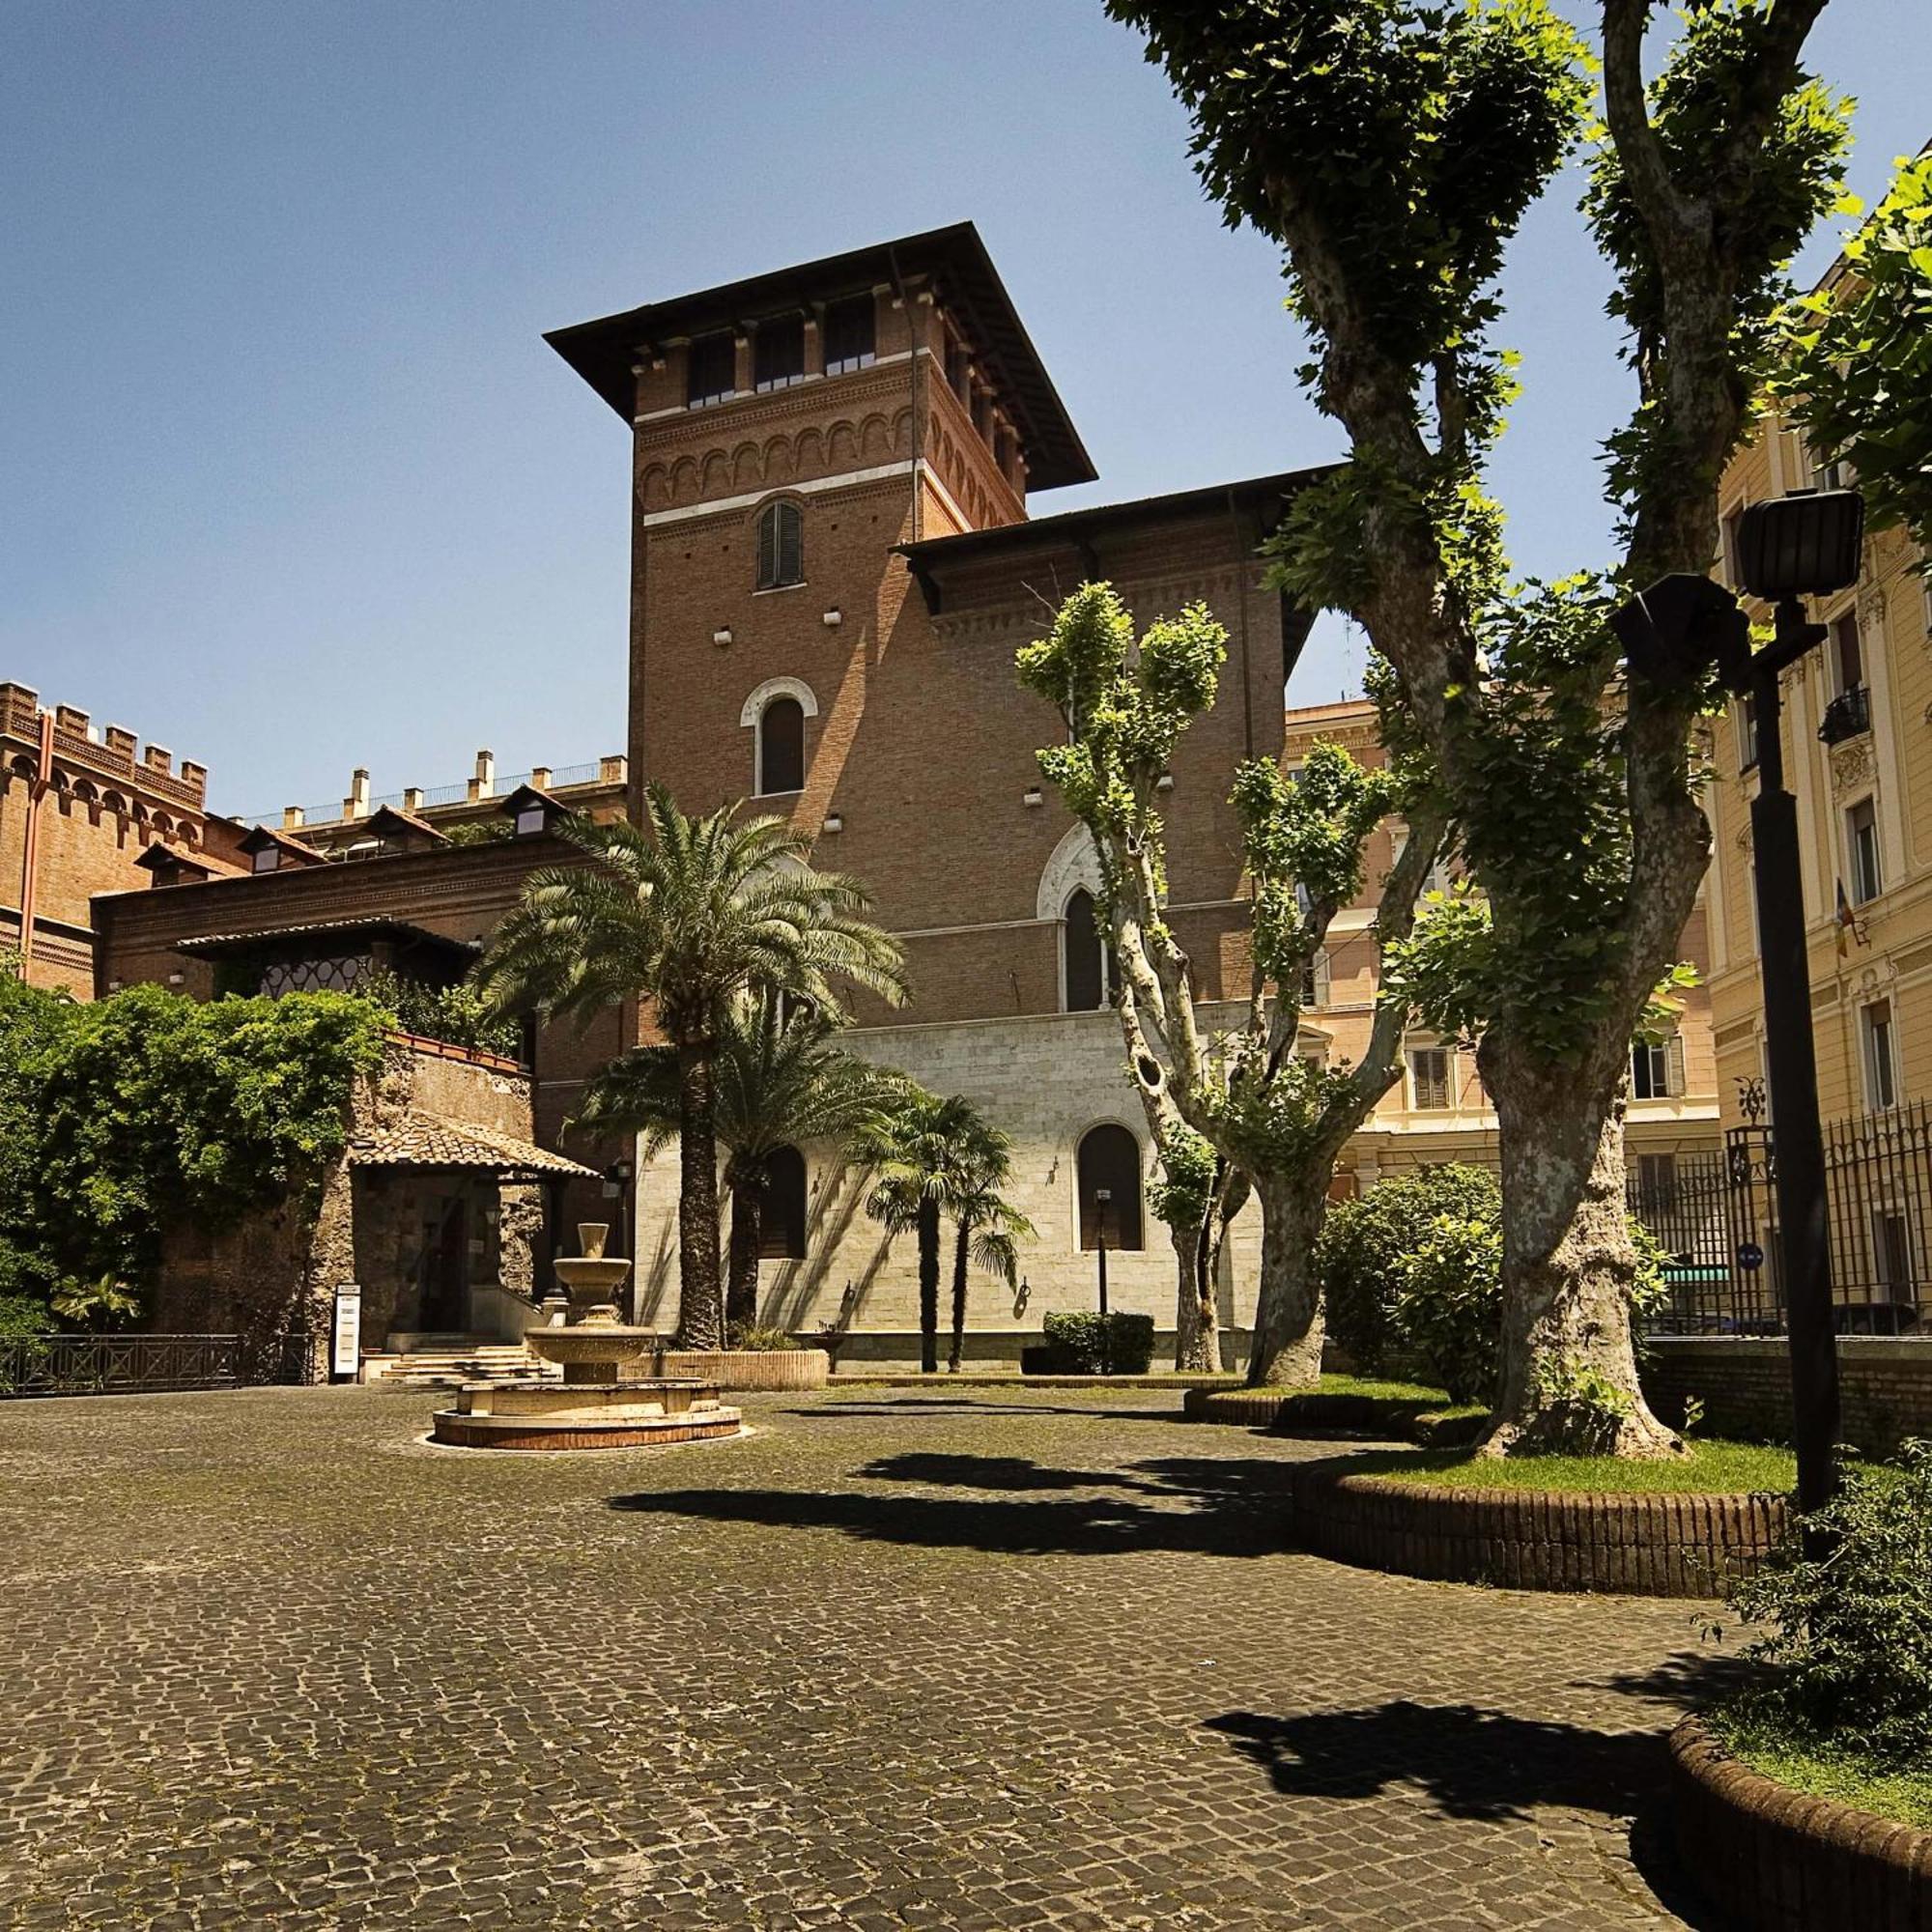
x=741 y=1287
x=1287 y=1350
x=698 y=1302
x=1568 y=1366
x=929 y=1286
x=1195 y=1347
x=959 y=1258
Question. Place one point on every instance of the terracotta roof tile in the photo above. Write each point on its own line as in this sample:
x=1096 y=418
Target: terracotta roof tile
x=429 y=1140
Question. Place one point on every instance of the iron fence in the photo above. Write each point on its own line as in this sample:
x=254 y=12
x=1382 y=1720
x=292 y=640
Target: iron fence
x=131 y=1364
x=1715 y=1216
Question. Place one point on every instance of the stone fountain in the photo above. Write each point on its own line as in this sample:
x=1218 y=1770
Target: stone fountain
x=601 y=1402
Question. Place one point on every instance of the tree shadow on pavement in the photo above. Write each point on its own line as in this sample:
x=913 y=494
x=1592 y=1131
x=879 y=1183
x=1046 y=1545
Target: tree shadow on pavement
x=1478 y=1763
x=1237 y=1511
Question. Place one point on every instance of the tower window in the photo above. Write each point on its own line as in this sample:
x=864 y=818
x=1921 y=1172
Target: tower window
x=711 y=370
x=778 y=355
x=780 y=545
x=782 y=746
x=850 y=334
x=1109 y=1163
x=1090 y=975
x=782 y=1207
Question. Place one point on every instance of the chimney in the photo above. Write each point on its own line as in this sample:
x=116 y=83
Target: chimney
x=292 y=818
x=614 y=771
x=540 y=777
x=413 y=798
x=356 y=804
x=484 y=784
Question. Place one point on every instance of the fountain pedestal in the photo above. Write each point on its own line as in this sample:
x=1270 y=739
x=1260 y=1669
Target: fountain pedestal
x=596 y=1405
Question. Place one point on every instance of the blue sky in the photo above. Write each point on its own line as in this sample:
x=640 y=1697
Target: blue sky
x=293 y=483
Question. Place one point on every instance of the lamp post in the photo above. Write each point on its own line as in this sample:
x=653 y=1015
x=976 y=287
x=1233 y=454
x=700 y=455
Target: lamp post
x=1101 y=1197
x=1806 y=543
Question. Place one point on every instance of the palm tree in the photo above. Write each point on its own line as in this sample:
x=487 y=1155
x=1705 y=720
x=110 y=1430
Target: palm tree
x=927 y=1155
x=689 y=915
x=987 y=1229
x=779 y=1083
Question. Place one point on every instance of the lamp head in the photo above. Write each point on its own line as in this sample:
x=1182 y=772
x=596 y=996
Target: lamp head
x=1808 y=543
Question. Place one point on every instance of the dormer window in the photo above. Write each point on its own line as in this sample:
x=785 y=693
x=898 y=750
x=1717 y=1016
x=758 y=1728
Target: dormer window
x=780 y=545
x=851 y=340
x=711 y=371
x=778 y=355
x=533 y=819
x=267 y=858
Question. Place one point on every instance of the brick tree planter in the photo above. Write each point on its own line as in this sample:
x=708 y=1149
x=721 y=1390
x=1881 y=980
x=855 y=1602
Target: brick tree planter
x=749 y=1368
x=1316 y=1414
x=1775 y=1861
x=1636 y=1545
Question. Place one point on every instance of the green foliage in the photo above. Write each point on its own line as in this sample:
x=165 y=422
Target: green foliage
x=690 y=914
x=1081 y=1345
x=1712 y=85
x=96 y=1304
x=21 y=1316
x=1189 y=1166
x=1449 y=1303
x=480 y=832
x=1849 y=1642
x=34 y=1028
x=460 y=1016
x=1365 y=1243
x=1859 y=358
x=146 y=1107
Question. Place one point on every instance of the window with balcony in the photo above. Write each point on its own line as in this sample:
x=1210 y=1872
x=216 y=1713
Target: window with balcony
x=850 y=334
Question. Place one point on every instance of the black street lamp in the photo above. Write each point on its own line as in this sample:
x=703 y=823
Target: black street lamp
x=1803 y=545
x=1101 y=1197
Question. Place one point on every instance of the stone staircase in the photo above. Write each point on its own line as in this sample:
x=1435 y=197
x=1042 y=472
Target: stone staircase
x=442 y=1362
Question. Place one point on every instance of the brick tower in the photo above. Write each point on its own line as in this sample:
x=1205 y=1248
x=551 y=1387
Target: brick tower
x=832 y=565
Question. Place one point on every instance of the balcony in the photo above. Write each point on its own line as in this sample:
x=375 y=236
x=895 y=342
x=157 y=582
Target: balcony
x=1847 y=716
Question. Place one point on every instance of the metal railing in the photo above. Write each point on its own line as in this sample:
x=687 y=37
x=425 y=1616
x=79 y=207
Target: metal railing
x=54 y=1364
x=1715 y=1216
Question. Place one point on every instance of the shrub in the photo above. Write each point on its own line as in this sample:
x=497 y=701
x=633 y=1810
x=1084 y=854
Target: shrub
x=1850 y=1642
x=1449 y=1301
x=1124 y=1347
x=458 y=1015
x=1365 y=1242
x=748 y=1338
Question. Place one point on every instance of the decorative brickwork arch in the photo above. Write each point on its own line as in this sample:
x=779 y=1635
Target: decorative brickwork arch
x=1074 y=863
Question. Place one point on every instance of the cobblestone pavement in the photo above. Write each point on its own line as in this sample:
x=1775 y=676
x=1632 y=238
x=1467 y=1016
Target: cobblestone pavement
x=958 y=1659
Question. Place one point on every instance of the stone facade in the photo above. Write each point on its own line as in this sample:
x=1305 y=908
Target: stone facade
x=432 y=1248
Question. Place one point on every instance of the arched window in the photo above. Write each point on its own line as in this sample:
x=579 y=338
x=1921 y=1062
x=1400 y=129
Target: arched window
x=780 y=545
x=1110 y=1163
x=1089 y=974
x=782 y=746
x=782 y=1207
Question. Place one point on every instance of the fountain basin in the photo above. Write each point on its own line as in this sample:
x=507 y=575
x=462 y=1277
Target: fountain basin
x=591 y=1351
x=539 y=1415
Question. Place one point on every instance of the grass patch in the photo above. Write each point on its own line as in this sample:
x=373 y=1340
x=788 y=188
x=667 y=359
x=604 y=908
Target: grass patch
x=1369 y=1389
x=1826 y=1771
x=1711 y=1468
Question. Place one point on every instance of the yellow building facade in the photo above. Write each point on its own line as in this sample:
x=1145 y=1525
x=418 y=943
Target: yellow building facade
x=1857 y=756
